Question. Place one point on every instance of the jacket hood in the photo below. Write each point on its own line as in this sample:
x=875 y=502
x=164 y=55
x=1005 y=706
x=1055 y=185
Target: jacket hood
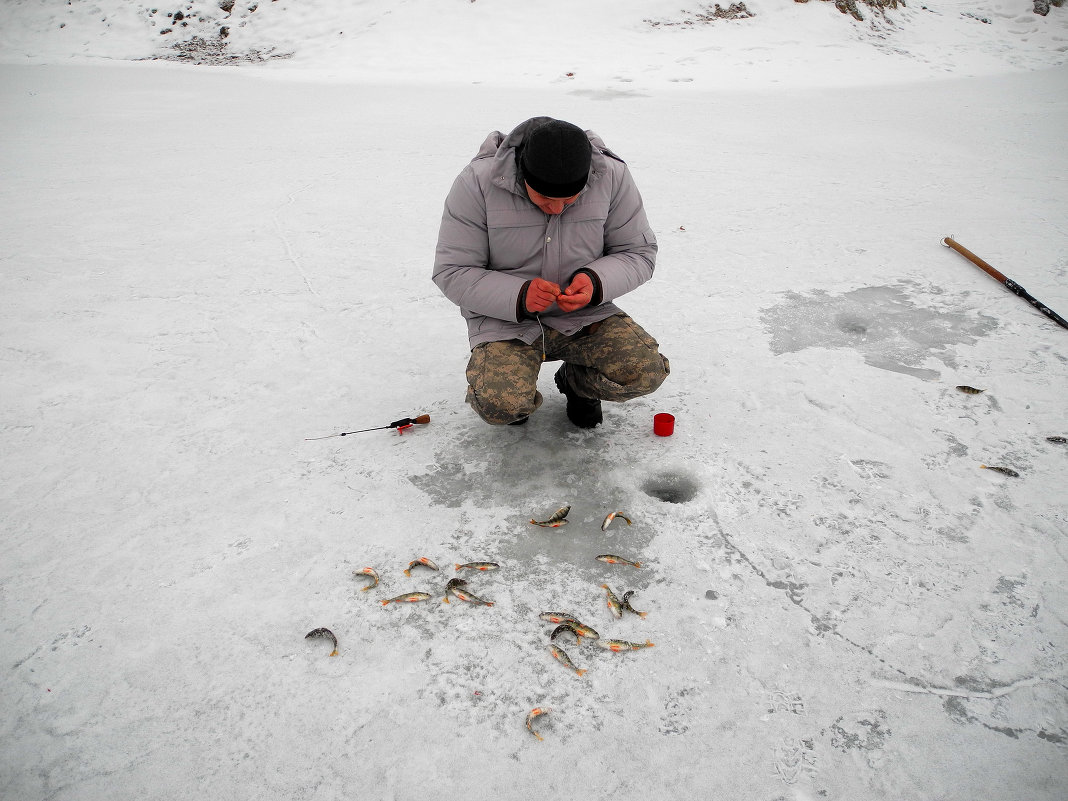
x=502 y=149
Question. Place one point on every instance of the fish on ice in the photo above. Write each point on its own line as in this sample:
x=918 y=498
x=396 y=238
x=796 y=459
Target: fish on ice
x=557 y=617
x=560 y=656
x=421 y=561
x=452 y=585
x=563 y=628
x=370 y=573
x=612 y=516
x=470 y=597
x=555 y=520
x=534 y=713
x=622 y=645
x=612 y=559
x=324 y=634
x=614 y=606
x=408 y=598
x=582 y=630
x=1006 y=471
x=628 y=608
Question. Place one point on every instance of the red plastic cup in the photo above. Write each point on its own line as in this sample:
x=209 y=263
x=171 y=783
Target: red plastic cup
x=663 y=424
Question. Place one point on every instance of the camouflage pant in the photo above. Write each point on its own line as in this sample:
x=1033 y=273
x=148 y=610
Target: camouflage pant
x=613 y=360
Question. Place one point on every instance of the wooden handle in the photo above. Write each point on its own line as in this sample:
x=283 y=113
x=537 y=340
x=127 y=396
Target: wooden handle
x=982 y=265
x=422 y=419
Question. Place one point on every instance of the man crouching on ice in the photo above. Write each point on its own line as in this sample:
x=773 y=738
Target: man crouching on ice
x=540 y=233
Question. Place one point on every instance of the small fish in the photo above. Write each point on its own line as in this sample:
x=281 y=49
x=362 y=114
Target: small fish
x=1003 y=470
x=408 y=597
x=370 y=573
x=623 y=645
x=422 y=560
x=1058 y=440
x=469 y=597
x=478 y=566
x=582 y=630
x=325 y=634
x=563 y=628
x=614 y=606
x=557 y=617
x=452 y=585
x=557 y=519
x=564 y=659
x=970 y=390
x=612 y=516
x=530 y=720
x=612 y=559
x=626 y=604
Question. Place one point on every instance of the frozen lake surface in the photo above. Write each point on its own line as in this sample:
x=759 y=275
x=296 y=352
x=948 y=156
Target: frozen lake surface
x=202 y=267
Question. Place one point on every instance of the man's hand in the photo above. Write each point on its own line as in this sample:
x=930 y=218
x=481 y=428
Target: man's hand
x=541 y=294
x=578 y=295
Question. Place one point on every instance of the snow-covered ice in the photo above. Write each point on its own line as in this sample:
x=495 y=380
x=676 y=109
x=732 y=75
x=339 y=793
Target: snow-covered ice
x=201 y=266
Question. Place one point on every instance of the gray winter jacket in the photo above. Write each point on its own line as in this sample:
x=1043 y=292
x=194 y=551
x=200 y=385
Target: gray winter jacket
x=493 y=240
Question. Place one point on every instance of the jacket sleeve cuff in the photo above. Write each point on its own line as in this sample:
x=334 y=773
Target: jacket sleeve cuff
x=598 y=294
x=521 y=312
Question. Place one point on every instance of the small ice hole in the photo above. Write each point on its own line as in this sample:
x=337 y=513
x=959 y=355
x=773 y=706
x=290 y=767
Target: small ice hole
x=849 y=324
x=671 y=488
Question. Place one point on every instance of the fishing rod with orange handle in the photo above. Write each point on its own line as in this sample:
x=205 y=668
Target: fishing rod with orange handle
x=1011 y=285
x=401 y=425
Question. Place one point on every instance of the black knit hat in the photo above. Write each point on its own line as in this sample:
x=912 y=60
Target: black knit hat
x=556 y=159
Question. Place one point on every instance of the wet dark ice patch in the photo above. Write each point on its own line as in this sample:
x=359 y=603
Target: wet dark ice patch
x=884 y=324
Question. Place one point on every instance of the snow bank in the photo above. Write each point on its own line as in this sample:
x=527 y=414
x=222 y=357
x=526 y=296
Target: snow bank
x=617 y=46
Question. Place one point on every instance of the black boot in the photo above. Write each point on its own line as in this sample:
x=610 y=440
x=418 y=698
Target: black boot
x=583 y=412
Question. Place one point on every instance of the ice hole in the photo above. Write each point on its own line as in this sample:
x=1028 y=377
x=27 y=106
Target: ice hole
x=851 y=324
x=671 y=488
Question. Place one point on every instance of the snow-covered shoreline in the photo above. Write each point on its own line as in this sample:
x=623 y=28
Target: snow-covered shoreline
x=599 y=46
